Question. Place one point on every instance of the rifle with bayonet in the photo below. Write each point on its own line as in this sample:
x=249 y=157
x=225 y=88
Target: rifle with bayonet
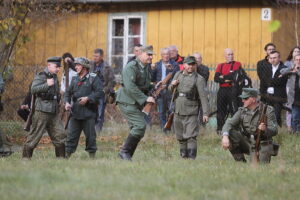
x=155 y=93
x=169 y=122
x=29 y=118
x=258 y=132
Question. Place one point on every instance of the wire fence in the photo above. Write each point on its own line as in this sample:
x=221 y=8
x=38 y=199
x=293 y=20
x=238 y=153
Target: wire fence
x=17 y=86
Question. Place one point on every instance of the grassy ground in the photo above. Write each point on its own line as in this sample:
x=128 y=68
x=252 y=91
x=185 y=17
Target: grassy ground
x=156 y=173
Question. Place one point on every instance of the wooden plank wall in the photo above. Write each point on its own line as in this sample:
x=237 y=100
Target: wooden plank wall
x=207 y=27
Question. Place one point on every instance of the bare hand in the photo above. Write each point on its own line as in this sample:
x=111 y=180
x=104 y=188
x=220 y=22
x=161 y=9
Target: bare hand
x=225 y=142
x=83 y=100
x=50 y=82
x=205 y=119
x=175 y=82
x=262 y=127
x=150 y=100
x=153 y=66
x=157 y=84
x=25 y=107
x=67 y=59
x=228 y=81
x=68 y=106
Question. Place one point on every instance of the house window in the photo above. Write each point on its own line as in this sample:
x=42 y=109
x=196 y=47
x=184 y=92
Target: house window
x=125 y=32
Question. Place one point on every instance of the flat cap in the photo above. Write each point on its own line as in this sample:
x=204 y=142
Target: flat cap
x=189 y=60
x=55 y=60
x=82 y=61
x=147 y=49
x=249 y=92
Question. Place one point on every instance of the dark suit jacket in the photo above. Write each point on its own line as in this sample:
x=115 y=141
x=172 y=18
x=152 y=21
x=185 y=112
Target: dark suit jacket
x=203 y=71
x=157 y=72
x=277 y=82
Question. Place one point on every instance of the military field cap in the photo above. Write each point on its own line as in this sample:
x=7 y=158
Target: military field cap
x=82 y=61
x=189 y=60
x=55 y=60
x=249 y=92
x=147 y=49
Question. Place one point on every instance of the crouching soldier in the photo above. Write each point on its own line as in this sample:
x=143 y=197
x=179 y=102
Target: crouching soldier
x=239 y=132
x=45 y=118
x=84 y=92
x=191 y=87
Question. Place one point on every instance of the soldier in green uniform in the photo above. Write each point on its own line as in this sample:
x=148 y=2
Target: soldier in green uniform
x=191 y=87
x=239 y=131
x=132 y=96
x=83 y=93
x=45 y=87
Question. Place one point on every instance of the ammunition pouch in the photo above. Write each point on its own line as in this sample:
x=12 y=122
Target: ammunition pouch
x=275 y=149
x=49 y=96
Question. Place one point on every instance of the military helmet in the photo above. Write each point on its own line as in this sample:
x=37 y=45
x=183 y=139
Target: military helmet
x=82 y=61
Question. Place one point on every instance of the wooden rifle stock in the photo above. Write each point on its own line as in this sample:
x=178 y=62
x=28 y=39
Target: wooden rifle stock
x=32 y=109
x=169 y=122
x=155 y=93
x=262 y=119
x=65 y=114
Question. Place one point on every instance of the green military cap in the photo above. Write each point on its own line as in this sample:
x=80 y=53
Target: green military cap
x=190 y=60
x=55 y=60
x=147 y=49
x=249 y=92
x=82 y=61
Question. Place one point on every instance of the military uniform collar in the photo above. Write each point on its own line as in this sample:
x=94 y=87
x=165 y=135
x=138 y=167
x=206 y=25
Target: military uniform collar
x=139 y=61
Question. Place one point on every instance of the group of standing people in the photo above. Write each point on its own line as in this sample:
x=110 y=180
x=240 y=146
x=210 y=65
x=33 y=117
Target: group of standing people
x=89 y=84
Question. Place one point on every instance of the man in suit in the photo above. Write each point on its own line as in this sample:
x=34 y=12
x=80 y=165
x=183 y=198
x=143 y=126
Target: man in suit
x=273 y=84
x=163 y=68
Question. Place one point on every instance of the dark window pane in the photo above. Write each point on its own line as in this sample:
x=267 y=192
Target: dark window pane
x=132 y=42
x=117 y=46
x=118 y=27
x=134 y=26
x=117 y=64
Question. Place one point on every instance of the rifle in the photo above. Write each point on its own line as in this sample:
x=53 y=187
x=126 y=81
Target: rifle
x=169 y=122
x=155 y=93
x=32 y=109
x=258 y=132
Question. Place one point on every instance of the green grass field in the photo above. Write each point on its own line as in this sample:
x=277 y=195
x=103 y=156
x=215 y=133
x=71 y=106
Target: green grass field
x=157 y=172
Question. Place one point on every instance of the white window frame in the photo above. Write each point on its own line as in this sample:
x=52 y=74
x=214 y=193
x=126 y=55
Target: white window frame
x=125 y=17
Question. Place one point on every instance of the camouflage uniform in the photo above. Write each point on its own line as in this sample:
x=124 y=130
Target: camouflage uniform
x=191 y=91
x=83 y=116
x=243 y=124
x=46 y=113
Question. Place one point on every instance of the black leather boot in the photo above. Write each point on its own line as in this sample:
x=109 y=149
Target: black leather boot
x=60 y=151
x=68 y=155
x=239 y=157
x=129 y=147
x=192 y=153
x=183 y=153
x=27 y=152
x=92 y=155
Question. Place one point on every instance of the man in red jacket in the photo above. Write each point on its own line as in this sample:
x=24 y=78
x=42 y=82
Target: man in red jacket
x=224 y=76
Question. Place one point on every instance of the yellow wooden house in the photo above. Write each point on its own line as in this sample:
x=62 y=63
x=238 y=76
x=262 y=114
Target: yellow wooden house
x=204 y=26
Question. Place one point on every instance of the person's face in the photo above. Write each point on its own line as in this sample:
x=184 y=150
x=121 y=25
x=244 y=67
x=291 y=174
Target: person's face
x=173 y=53
x=270 y=48
x=79 y=68
x=248 y=102
x=198 y=59
x=189 y=68
x=274 y=59
x=137 y=51
x=297 y=61
x=165 y=56
x=296 y=51
x=97 y=58
x=53 y=68
x=145 y=58
x=229 y=56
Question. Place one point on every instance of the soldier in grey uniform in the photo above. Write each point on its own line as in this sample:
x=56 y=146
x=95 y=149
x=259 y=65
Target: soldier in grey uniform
x=85 y=91
x=46 y=88
x=239 y=131
x=5 y=145
x=191 y=90
x=132 y=96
